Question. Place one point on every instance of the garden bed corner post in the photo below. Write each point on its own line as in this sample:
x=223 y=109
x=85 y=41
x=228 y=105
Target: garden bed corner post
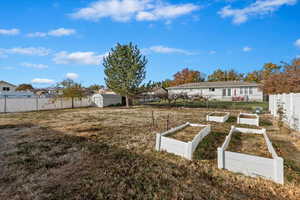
x=220 y=158
x=278 y=170
x=158 y=139
x=189 y=151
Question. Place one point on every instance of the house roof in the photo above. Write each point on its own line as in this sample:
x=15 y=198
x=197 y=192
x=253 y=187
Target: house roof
x=7 y=83
x=218 y=84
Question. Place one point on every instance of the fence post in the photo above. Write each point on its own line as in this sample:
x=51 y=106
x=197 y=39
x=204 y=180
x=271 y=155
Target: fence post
x=220 y=158
x=4 y=103
x=37 y=103
x=278 y=170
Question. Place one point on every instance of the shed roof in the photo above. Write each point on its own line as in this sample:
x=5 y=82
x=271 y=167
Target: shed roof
x=219 y=84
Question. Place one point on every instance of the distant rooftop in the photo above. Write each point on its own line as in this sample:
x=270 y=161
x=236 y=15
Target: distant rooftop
x=7 y=83
x=216 y=84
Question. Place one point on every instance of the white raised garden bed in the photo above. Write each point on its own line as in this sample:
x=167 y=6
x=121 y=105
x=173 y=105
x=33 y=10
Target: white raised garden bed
x=181 y=148
x=250 y=119
x=216 y=117
x=269 y=168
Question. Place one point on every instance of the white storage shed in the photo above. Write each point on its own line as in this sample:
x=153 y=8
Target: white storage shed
x=102 y=100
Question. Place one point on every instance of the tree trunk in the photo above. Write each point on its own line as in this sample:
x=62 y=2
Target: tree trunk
x=127 y=101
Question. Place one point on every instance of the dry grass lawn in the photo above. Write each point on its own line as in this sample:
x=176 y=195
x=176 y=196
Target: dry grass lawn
x=94 y=153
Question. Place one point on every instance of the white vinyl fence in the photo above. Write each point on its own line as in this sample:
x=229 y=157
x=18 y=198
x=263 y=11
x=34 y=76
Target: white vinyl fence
x=269 y=168
x=291 y=107
x=10 y=104
x=184 y=149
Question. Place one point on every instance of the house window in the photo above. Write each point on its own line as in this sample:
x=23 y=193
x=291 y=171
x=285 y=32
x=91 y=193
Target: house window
x=224 y=92
x=229 y=92
x=246 y=90
x=251 y=90
x=5 y=88
x=211 y=89
x=241 y=90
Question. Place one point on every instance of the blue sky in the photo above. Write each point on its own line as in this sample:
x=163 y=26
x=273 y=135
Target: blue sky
x=43 y=42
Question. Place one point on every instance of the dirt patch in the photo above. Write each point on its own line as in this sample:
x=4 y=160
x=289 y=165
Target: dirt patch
x=252 y=144
x=186 y=134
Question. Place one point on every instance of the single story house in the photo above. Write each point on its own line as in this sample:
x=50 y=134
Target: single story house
x=221 y=90
x=6 y=87
x=103 y=100
x=9 y=90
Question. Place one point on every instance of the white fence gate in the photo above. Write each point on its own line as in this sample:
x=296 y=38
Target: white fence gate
x=291 y=107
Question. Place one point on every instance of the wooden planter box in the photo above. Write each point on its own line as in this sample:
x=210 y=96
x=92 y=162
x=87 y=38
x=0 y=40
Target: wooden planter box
x=250 y=119
x=222 y=119
x=184 y=149
x=269 y=168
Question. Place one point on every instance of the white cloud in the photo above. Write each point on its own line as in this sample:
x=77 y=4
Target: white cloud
x=13 y=31
x=85 y=58
x=61 y=32
x=55 y=33
x=212 y=52
x=42 y=81
x=37 y=34
x=166 y=12
x=247 y=49
x=168 y=50
x=37 y=51
x=72 y=76
x=36 y=66
x=259 y=7
x=141 y=10
x=297 y=43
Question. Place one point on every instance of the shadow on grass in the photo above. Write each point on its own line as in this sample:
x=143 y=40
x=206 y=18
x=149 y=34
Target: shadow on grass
x=207 y=148
x=54 y=165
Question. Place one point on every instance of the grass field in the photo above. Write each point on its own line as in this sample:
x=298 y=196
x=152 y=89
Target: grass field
x=109 y=153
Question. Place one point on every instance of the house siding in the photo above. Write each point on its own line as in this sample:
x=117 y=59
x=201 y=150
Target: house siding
x=6 y=85
x=256 y=94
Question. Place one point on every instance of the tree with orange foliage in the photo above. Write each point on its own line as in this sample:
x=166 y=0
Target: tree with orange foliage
x=286 y=81
x=187 y=76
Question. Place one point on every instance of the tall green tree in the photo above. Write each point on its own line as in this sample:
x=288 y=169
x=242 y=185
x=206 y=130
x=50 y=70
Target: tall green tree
x=125 y=70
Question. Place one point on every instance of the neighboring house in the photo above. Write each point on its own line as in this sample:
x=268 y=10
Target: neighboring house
x=222 y=90
x=103 y=100
x=154 y=94
x=49 y=92
x=9 y=90
x=6 y=87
